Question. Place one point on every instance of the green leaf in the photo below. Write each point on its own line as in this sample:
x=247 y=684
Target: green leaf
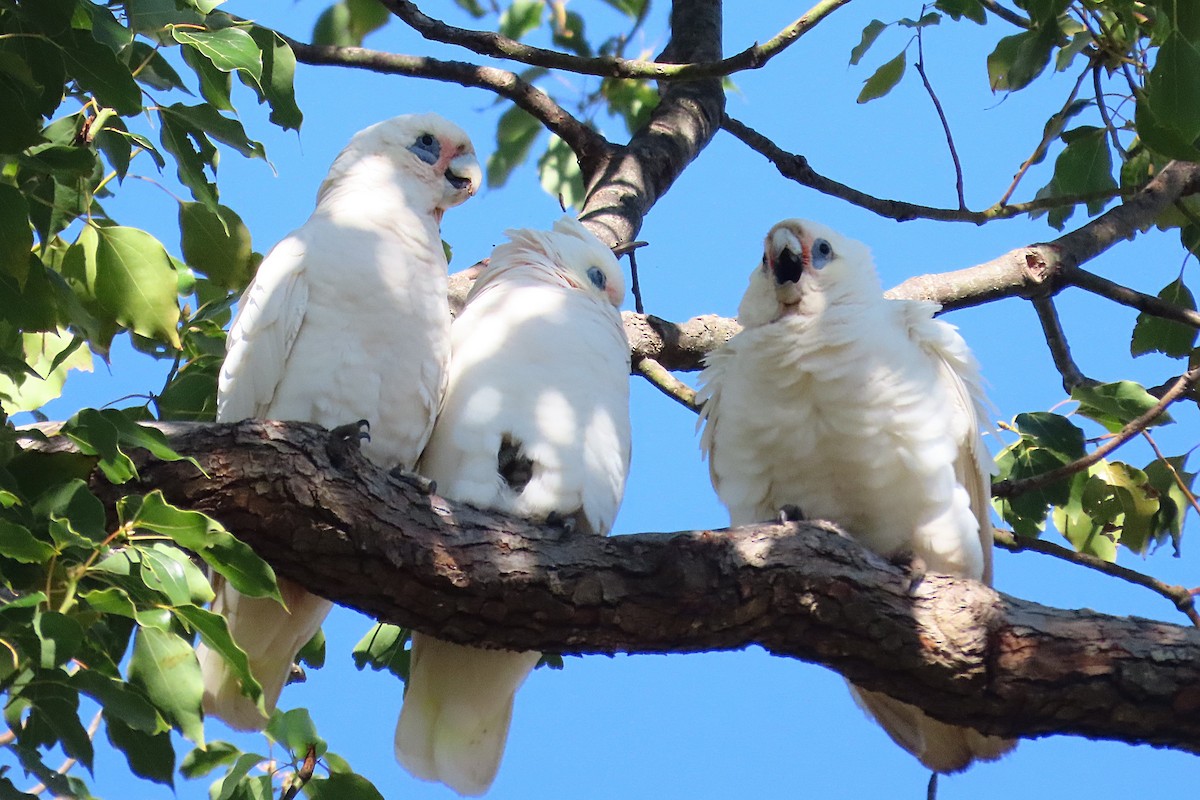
x=1085 y=165
x=1173 y=501
x=927 y=20
x=1114 y=405
x=169 y=572
x=515 y=134
x=1173 y=86
x=16 y=235
x=149 y=755
x=1053 y=432
x=225 y=130
x=276 y=86
x=54 y=717
x=1154 y=334
x=203 y=760
x=558 y=170
x=164 y=666
x=1026 y=512
x=341 y=786
x=1159 y=133
x=957 y=9
x=204 y=536
x=153 y=69
x=384 y=647
x=215 y=85
x=312 y=654
x=78 y=514
x=228 y=49
x=17 y=543
x=217 y=244
x=98 y=71
x=633 y=100
x=226 y=786
x=1084 y=521
x=521 y=17
x=95 y=435
x=884 y=79
x=295 y=730
x=1020 y=58
x=869 y=35
x=60 y=638
x=120 y=701
x=214 y=630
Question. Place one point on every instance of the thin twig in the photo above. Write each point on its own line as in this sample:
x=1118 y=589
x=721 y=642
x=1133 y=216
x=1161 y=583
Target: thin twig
x=667 y=383
x=1011 y=488
x=1179 y=481
x=630 y=248
x=958 y=172
x=1090 y=282
x=494 y=45
x=1056 y=339
x=301 y=776
x=1005 y=14
x=1049 y=134
x=1181 y=597
x=795 y=167
x=1104 y=115
x=589 y=146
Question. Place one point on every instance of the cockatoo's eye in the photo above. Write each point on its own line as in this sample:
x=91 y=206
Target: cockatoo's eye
x=822 y=253
x=427 y=148
x=596 y=276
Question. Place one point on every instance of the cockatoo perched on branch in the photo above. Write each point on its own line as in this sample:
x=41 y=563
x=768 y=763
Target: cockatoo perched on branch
x=345 y=320
x=535 y=423
x=858 y=410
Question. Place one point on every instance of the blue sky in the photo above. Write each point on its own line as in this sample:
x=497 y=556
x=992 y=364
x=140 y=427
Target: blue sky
x=725 y=724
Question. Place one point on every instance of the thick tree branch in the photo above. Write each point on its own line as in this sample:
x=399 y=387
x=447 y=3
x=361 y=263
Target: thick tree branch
x=589 y=146
x=495 y=45
x=962 y=651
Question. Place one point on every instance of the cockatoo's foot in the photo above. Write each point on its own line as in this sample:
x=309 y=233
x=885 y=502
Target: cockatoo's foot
x=567 y=522
x=415 y=479
x=513 y=465
x=913 y=564
x=347 y=439
x=790 y=513
x=296 y=675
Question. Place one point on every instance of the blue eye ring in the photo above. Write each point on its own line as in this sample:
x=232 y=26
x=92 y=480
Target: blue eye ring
x=822 y=253
x=597 y=277
x=427 y=148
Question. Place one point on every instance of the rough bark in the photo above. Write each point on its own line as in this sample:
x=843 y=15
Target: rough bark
x=966 y=653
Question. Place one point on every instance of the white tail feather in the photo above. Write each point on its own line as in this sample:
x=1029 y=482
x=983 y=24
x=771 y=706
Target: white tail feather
x=271 y=636
x=456 y=713
x=937 y=745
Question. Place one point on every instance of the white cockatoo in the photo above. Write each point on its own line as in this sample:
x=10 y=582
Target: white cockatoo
x=535 y=423
x=346 y=319
x=858 y=410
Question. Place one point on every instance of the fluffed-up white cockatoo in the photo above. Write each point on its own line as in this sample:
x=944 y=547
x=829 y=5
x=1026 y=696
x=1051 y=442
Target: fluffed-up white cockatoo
x=862 y=411
x=535 y=423
x=345 y=320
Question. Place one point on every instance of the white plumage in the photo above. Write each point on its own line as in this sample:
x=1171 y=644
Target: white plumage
x=858 y=410
x=346 y=319
x=535 y=423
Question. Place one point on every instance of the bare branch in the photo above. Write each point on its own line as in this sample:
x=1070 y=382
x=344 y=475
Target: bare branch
x=667 y=383
x=1006 y=14
x=963 y=652
x=680 y=347
x=495 y=45
x=589 y=146
x=1178 y=595
x=1131 y=297
x=795 y=167
x=1011 y=488
x=937 y=105
x=1060 y=351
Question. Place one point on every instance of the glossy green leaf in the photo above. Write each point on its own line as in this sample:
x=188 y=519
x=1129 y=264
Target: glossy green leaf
x=341 y=786
x=203 y=535
x=214 y=630
x=1114 y=405
x=203 y=760
x=224 y=129
x=276 y=86
x=1086 y=529
x=1085 y=165
x=227 y=785
x=958 y=9
x=1018 y=59
x=149 y=755
x=1160 y=134
x=515 y=134
x=78 y=512
x=120 y=700
x=384 y=647
x=16 y=235
x=98 y=70
x=216 y=85
x=54 y=718
x=1173 y=86
x=1026 y=512
x=217 y=244
x=884 y=79
x=60 y=638
x=164 y=667
x=312 y=654
x=522 y=17
x=95 y=434
x=1154 y=334
x=228 y=49
x=166 y=570
x=17 y=543
x=869 y=35
x=294 y=729
x=1053 y=432
x=1165 y=476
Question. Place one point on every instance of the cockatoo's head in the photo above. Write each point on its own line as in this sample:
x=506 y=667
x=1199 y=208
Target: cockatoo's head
x=805 y=267
x=569 y=250
x=412 y=150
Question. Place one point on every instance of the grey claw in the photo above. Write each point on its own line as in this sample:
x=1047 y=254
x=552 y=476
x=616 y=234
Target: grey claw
x=345 y=439
x=790 y=513
x=420 y=482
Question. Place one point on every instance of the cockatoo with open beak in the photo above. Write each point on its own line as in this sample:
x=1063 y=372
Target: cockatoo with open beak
x=535 y=423
x=862 y=411
x=345 y=320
